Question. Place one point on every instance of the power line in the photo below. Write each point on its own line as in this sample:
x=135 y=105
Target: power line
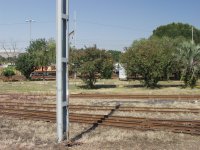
x=111 y=25
x=24 y=23
x=5 y=24
x=81 y=21
x=118 y=40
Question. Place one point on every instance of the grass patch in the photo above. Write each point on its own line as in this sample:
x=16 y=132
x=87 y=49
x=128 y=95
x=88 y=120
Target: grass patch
x=113 y=86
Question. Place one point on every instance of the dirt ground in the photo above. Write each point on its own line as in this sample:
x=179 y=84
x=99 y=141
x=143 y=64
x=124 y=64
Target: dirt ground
x=25 y=134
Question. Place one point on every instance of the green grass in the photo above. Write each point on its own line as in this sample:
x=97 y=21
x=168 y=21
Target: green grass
x=27 y=86
x=113 y=86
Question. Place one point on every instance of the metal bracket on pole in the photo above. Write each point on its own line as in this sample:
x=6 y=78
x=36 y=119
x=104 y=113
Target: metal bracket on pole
x=64 y=60
x=66 y=17
x=62 y=113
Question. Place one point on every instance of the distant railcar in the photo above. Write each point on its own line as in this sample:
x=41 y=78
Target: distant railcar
x=43 y=75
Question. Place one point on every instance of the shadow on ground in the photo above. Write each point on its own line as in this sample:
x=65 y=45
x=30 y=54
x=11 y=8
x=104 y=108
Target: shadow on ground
x=100 y=86
x=95 y=125
x=159 y=86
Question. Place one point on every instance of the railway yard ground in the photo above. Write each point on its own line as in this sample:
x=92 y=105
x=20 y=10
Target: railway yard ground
x=116 y=115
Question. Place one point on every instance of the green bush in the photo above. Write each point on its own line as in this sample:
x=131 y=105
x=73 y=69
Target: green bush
x=8 y=72
x=152 y=59
x=92 y=64
x=189 y=54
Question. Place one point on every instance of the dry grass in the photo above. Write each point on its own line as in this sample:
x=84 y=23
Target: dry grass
x=158 y=115
x=24 y=134
x=19 y=134
x=136 y=103
x=109 y=138
x=142 y=103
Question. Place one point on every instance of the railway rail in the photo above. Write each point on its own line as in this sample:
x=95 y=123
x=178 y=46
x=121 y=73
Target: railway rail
x=100 y=96
x=10 y=105
x=51 y=107
x=143 y=124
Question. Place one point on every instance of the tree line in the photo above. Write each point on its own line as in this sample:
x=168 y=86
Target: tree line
x=89 y=63
x=168 y=51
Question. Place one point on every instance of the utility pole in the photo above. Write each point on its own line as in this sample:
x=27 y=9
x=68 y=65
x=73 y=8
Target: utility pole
x=30 y=28
x=62 y=51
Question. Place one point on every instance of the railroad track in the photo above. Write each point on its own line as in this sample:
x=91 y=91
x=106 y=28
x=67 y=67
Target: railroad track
x=51 y=107
x=100 y=96
x=143 y=124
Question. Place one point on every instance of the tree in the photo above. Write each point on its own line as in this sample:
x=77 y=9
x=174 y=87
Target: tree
x=2 y=60
x=150 y=58
x=175 y=30
x=115 y=55
x=94 y=63
x=189 y=55
x=25 y=64
x=51 y=51
x=74 y=60
x=40 y=53
x=38 y=50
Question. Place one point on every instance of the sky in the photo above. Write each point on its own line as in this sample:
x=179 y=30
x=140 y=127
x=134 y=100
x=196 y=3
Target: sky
x=110 y=24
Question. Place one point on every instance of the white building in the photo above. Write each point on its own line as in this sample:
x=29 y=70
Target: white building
x=122 y=73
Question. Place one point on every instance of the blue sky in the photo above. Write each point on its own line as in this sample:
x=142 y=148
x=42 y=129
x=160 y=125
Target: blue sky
x=111 y=24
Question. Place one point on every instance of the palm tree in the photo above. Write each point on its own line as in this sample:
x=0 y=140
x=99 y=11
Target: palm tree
x=189 y=54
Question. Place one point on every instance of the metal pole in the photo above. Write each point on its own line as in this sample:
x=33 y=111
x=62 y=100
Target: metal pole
x=67 y=78
x=62 y=17
x=30 y=28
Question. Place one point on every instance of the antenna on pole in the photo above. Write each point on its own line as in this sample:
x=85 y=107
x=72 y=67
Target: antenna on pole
x=62 y=48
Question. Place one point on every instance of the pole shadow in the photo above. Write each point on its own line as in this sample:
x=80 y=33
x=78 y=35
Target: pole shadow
x=95 y=125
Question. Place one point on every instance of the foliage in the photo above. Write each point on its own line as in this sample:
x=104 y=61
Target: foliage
x=93 y=63
x=2 y=60
x=39 y=53
x=8 y=72
x=150 y=58
x=106 y=67
x=175 y=30
x=189 y=55
x=74 y=60
x=51 y=51
x=38 y=50
x=115 y=55
x=25 y=64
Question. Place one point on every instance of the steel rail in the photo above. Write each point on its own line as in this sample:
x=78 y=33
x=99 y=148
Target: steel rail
x=177 y=126
x=100 y=108
x=103 y=96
